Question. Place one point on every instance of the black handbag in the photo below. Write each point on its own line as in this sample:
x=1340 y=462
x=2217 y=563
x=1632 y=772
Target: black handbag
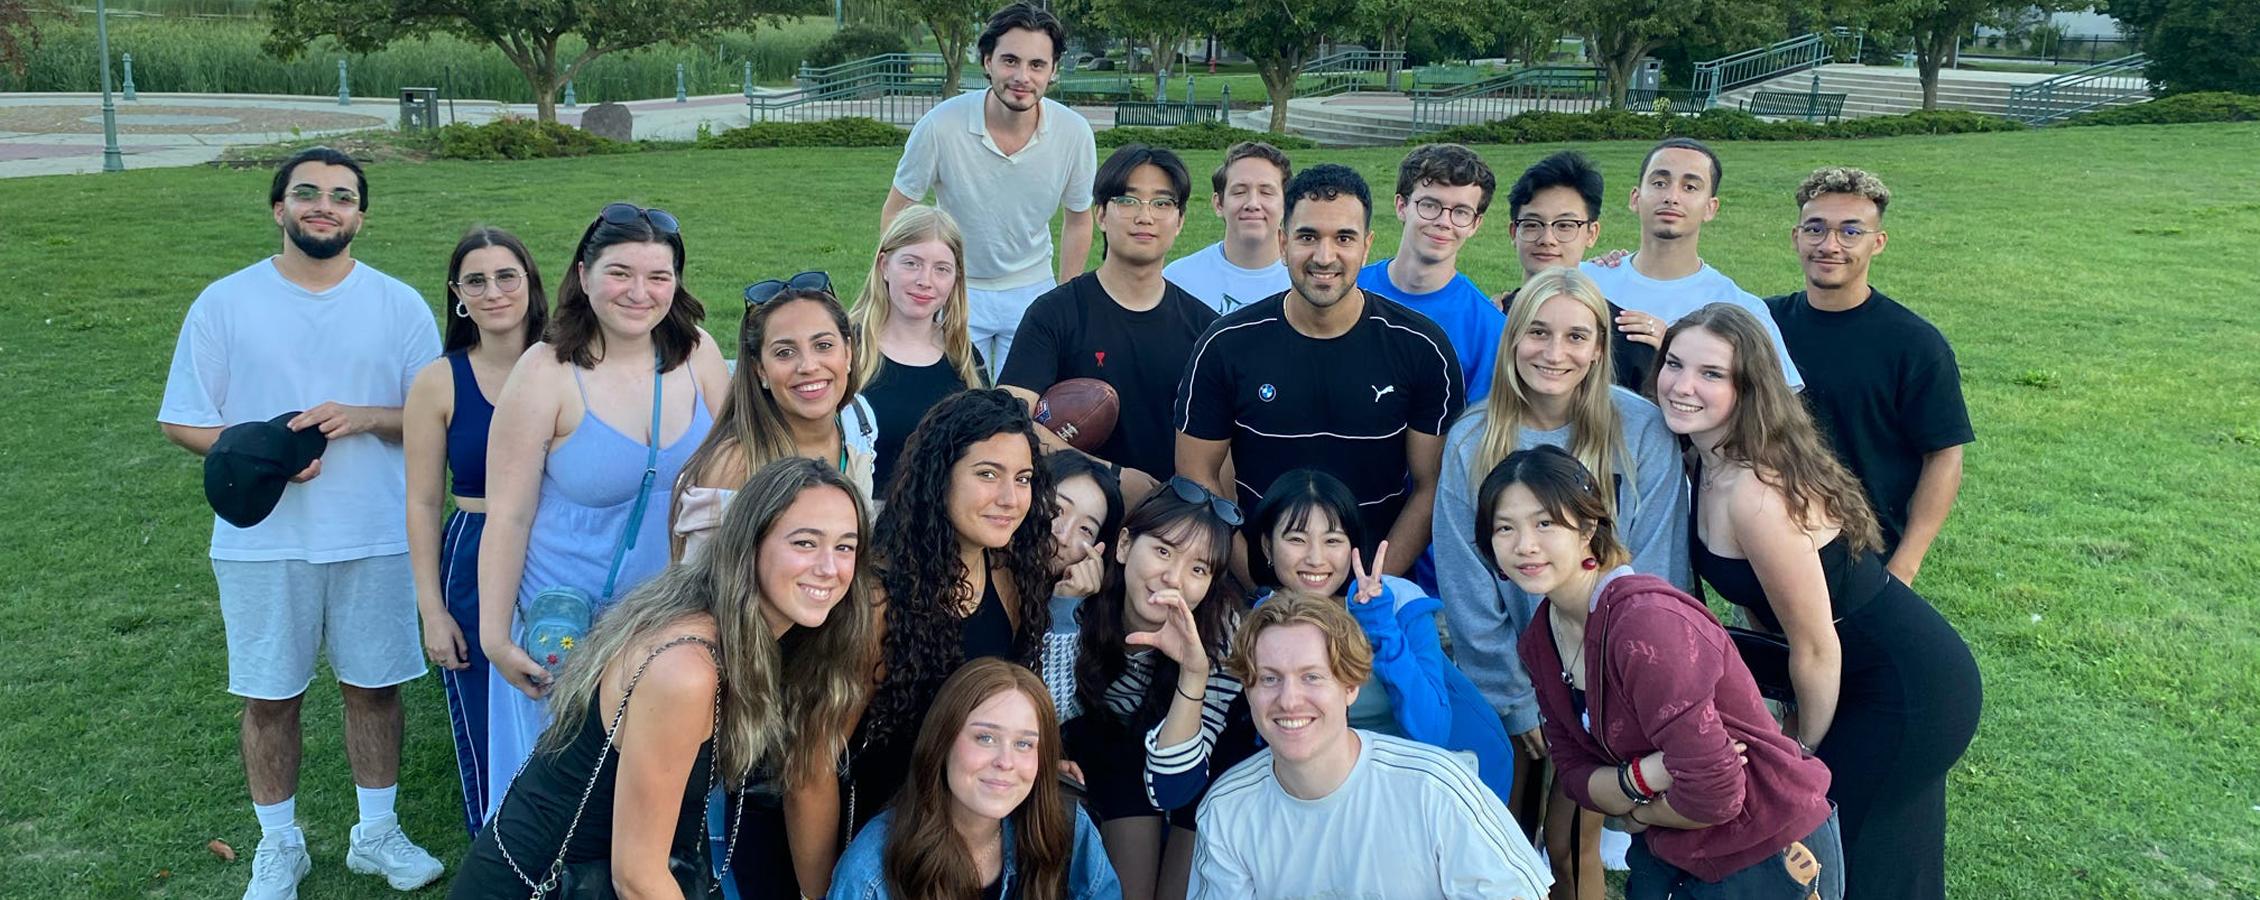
x=1766 y=655
x=592 y=880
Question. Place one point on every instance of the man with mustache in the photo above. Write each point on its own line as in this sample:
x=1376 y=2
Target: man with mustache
x=1667 y=279
x=325 y=573
x=1880 y=378
x=1122 y=323
x=1325 y=376
x=1000 y=161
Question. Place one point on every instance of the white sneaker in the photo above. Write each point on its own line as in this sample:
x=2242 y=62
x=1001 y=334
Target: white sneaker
x=278 y=865
x=404 y=865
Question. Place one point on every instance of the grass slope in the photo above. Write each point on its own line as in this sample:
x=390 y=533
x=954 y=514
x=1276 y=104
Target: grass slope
x=2102 y=561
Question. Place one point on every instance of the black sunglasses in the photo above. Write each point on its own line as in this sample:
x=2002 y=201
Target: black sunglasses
x=761 y=292
x=661 y=220
x=1191 y=491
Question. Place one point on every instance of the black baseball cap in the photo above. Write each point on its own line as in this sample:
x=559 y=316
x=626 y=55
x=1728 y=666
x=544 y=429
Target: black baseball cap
x=251 y=464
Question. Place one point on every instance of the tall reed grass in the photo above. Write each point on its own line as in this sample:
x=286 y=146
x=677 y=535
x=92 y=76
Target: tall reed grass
x=224 y=56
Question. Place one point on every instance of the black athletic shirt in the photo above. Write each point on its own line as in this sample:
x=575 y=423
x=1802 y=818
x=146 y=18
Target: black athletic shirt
x=1342 y=405
x=1076 y=330
x=899 y=398
x=1884 y=388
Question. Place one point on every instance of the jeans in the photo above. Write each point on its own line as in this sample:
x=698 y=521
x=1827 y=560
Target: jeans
x=1766 y=879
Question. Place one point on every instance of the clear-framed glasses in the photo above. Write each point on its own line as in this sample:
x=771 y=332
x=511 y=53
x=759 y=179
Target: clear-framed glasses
x=1812 y=234
x=307 y=193
x=1429 y=208
x=1563 y=229
x=477 y=284
x=1128 y=204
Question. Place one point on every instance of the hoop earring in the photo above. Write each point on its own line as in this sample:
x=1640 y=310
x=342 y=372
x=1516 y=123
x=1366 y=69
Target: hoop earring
x=462 y=310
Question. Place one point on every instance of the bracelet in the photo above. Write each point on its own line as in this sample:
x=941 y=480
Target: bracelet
x=1181 y=693
x=1638 y=780
x=1624 y=783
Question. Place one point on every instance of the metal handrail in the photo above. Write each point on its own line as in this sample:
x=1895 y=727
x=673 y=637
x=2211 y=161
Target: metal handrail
x=1552 y=88
x=885 y=62
x=1356 y=61
x=2109 y=83
x=882 y=95
x=1717 y=76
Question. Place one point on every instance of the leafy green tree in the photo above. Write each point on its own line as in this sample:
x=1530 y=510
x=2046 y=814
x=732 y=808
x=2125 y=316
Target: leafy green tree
x=955 y=24
x=1620 y=32
x=2196 y=45
x=1393 y=20
x=19 y=31
x=1279 y=36
x=531 y=33
x=1938 y=26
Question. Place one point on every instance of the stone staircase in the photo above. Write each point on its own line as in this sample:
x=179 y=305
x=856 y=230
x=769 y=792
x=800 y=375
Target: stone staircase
x=1887 y=90
x=1350 y=120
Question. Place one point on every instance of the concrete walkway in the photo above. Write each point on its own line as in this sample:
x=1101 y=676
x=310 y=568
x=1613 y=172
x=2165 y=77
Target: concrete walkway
x=61 y=134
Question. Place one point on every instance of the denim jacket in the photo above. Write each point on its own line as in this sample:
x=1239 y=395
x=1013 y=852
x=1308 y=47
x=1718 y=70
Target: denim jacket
x=862 y=875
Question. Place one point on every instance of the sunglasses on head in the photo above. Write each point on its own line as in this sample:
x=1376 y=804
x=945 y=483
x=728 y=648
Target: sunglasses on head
x=761 y=292
x=1191 y=491
x=661 y=220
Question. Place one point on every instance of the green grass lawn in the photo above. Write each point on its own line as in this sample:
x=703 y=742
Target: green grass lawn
x=2097 y=283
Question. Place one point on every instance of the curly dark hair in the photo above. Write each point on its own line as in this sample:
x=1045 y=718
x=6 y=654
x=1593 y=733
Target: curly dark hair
x=924 y=575
x=1103 y=654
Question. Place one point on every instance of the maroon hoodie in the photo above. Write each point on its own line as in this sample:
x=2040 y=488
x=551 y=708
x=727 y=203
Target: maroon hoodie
x=1669 y=679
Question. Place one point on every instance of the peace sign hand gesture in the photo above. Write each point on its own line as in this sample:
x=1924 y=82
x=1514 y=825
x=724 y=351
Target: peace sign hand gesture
x=1177 y=638
x=1368 y=587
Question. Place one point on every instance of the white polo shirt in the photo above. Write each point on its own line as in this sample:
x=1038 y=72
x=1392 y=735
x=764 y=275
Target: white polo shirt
x=1004 y=204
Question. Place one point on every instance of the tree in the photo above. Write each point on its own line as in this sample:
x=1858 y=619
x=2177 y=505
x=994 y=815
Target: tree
x=1393 y=20
x=19 y=31
x=1162 y=25
x=1938 y=26
x=530 y=33
x=955 y=24
x=1619 y=33
x=1525 y=30
x=2195 y=45
x=1279 y=37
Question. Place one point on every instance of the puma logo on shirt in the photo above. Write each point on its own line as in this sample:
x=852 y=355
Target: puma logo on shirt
x=1379 y=391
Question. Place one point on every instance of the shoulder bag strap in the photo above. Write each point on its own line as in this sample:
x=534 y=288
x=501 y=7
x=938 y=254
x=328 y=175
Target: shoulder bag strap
x=643 y=491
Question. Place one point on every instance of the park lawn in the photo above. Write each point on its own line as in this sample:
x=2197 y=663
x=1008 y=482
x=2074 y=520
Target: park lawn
x=2101 y=562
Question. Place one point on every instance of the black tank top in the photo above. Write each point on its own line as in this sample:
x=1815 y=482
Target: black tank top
x=1854 y=579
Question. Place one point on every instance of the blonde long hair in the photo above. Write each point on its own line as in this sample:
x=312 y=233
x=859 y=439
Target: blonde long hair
x=794 y=696
x=916 y=224
x=1596 y=431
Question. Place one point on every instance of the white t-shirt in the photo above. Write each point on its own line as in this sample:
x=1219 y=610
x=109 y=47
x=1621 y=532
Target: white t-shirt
x=1003 y=204
x=1670 y=300
x=1223 y=286
x=1410 y=823
x=255 y=346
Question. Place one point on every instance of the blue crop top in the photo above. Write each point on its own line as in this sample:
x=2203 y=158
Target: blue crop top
x=467 y=431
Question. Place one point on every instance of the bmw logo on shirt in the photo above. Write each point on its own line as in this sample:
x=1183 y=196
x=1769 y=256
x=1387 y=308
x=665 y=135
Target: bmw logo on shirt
x=1267 y=392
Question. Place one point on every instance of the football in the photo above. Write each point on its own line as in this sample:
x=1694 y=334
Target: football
x=1081 y=411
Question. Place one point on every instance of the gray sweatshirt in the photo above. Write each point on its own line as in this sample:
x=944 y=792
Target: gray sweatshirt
x=1486 y=613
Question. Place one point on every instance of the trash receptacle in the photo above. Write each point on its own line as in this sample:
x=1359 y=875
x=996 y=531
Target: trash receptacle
x=1650 y=76
x=419 y=108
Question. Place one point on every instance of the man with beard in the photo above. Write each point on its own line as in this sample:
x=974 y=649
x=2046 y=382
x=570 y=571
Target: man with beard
x=1325 y=376
x=1123 y=324
x=1443 y=190
x=1879 y=378
x=1666 y=279
x=333 y=344
x=1000 y=161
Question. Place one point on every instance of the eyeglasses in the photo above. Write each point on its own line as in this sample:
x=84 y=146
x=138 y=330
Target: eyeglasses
x=1127 y=203
x=1429 y=208
x=505 y=281
x=661 y=220
x=1563 y=229
x=761 y=292
x=1814 y=233
x=1191 y=491
x=307 y=193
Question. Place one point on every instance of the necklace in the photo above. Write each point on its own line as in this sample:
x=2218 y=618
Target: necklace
x=1570 y=665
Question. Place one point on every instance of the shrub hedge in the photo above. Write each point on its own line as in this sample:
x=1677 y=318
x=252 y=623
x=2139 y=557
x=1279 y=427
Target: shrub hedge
x=2211 y=106
x=516 y=138
x=849 y=132
x=856 y=42
x=1710 y=125
x=1204 y=136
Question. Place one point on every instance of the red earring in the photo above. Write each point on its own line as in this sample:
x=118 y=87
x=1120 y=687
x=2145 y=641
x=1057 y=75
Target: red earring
x=1590 y=564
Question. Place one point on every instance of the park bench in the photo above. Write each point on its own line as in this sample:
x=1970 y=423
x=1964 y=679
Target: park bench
x=1810 y=106
x=1093 y=88
x=1164 y=115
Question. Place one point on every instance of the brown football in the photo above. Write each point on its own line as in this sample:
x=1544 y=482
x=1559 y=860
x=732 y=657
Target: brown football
x=1081 y=411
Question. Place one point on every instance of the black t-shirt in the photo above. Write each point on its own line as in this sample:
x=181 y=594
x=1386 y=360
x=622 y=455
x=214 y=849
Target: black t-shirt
x=899 y=398
x=1884 y=388
x=1076 y=330
x=1631 y=358
x=1342 y=405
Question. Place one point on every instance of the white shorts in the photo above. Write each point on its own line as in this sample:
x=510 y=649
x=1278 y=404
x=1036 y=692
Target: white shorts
x=279 y=613
x=994 y=316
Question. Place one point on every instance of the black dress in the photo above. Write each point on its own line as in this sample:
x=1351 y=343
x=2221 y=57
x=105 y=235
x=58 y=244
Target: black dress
x=540 y=807
x=1906 y=708
x=899 y=398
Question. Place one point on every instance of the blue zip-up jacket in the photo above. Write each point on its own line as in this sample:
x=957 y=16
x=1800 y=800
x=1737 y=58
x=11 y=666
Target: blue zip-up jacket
x=862 y=871
x=1434 y=703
